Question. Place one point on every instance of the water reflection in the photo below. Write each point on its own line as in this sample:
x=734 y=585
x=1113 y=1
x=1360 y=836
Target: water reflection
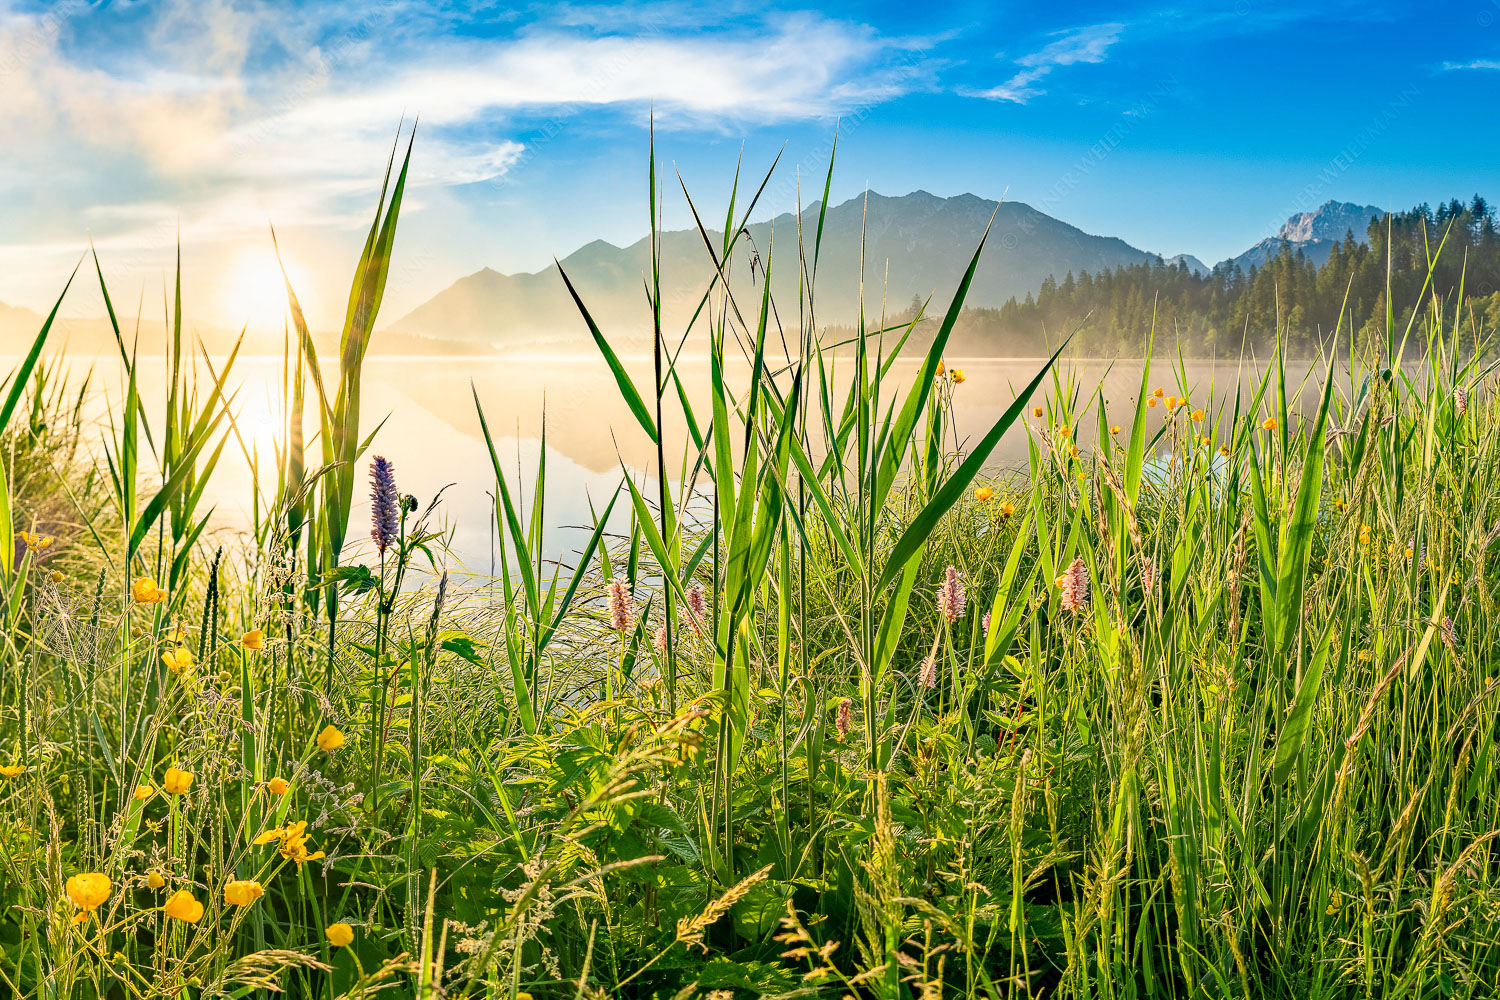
x=431 y=431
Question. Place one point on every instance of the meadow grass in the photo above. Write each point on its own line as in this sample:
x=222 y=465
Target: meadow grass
x=828 y=707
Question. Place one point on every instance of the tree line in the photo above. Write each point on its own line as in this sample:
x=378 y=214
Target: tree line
x=1230 y=308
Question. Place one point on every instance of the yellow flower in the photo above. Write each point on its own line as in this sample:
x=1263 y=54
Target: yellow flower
x=1152 y=401
x=1224 y=450
x=1115 y=429
x=1268 y=424
x=958 y=376
x=983 y=494
x=88 y=890
x=154 y=880
x=1171 y=402
x=145 y=591
x=1036 y=411
x=1007 y=509
x=330 y=739
x=1198 y=416
x=176 y=781
x=1159 y=393
x=143 y=792
x=293 y=842
x=178 y=660
x=941 y=368
x=278 y=786
x=242 y=892
x=57 y=576
x=340 y=935
x=254 y=639
x=13 y=770
x=182 y=906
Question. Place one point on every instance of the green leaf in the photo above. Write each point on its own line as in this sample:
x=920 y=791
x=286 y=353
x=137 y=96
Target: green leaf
x=926 y=521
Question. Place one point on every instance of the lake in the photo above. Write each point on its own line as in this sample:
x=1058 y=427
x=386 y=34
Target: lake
x=432 y=434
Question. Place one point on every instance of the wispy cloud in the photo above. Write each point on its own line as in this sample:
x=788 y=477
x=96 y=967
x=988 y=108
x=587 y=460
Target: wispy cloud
x=1078 y=45
x=220 y=114
x=1472 y=64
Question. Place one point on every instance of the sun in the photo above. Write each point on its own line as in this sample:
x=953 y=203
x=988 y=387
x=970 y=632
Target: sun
x=253 y=293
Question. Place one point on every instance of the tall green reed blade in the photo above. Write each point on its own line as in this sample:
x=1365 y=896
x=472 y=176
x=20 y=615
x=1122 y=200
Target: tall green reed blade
x=953 y=488
x=1298 y=534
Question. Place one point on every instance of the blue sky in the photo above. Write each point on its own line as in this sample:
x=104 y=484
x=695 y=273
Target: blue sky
x=1191 y=129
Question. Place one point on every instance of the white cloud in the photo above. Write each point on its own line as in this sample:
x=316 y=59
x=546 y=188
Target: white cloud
x=1480 y=64
x=1080 y=45
x=222 y=115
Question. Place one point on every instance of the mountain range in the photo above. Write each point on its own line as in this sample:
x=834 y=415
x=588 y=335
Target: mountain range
x=1314 y=233
x=913 y=247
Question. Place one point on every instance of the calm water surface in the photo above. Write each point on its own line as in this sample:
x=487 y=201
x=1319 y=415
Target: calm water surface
x=432 y=432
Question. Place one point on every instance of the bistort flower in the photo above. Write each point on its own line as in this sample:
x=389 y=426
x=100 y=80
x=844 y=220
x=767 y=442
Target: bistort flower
x=620 y=605
x=1074 y=584
x=951 y=596
x=385 y=503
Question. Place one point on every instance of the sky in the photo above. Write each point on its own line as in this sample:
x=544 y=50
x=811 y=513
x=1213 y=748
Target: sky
x=1179 y=128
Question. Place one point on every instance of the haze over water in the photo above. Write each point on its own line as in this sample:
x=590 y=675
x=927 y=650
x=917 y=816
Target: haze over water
x=432 y=433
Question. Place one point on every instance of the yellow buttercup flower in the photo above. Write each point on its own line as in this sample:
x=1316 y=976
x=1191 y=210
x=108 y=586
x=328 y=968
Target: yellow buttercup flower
x=1152 y=401
x=330 y=739
x=1224 y=450
x=983 y=494
x=242 y=892
x=143 y=792
x=154 y=880
x=254 y=640
x=176 y=781
x=1036 y=411
x=958 y=376
x=1007 y=509
x=1115 y=429
x=1198 y=416
x=1159 y=393
x=13 y=770
x=178 y=660
x=1268 y=424
x=182 y=906
x=145 y=591
x=278 y=786
x=293 y=842
x=941 y=368
x=89 y=890
x=340 y=935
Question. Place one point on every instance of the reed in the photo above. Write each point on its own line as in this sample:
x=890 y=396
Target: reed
x=826 y=703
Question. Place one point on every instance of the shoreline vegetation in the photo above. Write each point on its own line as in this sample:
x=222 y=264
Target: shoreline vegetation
x=1199 y=703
